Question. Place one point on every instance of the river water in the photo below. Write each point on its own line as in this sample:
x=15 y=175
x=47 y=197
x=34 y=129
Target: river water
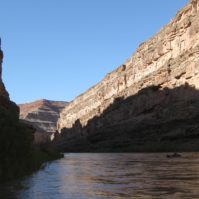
x=110 y=175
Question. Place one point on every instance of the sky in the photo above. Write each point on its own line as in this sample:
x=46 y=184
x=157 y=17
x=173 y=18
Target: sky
x=57 y=49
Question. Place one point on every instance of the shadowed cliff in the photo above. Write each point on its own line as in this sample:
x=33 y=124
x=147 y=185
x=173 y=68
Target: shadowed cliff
x=152 y=120
x=18 y=155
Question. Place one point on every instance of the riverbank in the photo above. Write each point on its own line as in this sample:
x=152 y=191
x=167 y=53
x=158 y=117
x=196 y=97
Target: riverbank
x=18 y=155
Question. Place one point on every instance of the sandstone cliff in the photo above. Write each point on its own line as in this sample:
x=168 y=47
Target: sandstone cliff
x=144 y=102
x=42 y=114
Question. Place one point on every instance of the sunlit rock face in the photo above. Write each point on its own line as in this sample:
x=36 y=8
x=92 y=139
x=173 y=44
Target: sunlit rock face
x=168 y=60
x=42 y=114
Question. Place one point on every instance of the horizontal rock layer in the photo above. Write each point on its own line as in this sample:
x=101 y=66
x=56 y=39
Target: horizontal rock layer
x=42 y=114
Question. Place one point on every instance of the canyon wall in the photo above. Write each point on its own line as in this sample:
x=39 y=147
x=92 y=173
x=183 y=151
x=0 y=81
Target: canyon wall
x=3 y=91
x=165 y=68
x=42 y=114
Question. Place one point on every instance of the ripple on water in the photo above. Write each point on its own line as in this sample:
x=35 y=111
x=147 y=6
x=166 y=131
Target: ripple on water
x=103 y=176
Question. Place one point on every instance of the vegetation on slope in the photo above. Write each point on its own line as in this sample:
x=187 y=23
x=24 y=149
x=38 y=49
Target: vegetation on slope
x=18 y=155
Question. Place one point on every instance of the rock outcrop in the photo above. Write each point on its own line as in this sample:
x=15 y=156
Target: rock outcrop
x=3 y=91
x=146 y=103
x=42 y=114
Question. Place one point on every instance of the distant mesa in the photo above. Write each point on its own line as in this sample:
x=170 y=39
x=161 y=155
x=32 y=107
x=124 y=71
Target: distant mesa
x=43 y=115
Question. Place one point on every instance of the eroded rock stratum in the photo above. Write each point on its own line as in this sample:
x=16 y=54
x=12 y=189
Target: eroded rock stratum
x=42 y=114
x=150 y=102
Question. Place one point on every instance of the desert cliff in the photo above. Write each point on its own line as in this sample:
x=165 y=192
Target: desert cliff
x=144 y=103
x=42 y=114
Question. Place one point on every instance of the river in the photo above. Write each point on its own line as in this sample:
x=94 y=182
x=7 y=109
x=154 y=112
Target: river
x=110 y=175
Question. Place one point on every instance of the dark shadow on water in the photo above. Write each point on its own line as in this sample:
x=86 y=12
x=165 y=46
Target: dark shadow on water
x=154 y=119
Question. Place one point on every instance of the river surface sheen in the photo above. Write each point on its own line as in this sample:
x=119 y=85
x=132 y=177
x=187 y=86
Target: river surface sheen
x=110 y=175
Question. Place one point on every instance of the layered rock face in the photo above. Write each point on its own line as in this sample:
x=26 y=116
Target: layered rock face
x=42 y=114
x=142 y=101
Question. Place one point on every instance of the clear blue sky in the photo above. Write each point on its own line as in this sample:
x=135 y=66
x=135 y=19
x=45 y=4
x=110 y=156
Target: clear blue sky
x=57 y=49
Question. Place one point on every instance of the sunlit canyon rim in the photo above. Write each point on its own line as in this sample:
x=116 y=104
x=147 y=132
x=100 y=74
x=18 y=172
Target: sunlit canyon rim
x=150 y=103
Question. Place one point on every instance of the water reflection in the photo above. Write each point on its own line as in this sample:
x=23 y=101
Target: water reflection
x=103 y=176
